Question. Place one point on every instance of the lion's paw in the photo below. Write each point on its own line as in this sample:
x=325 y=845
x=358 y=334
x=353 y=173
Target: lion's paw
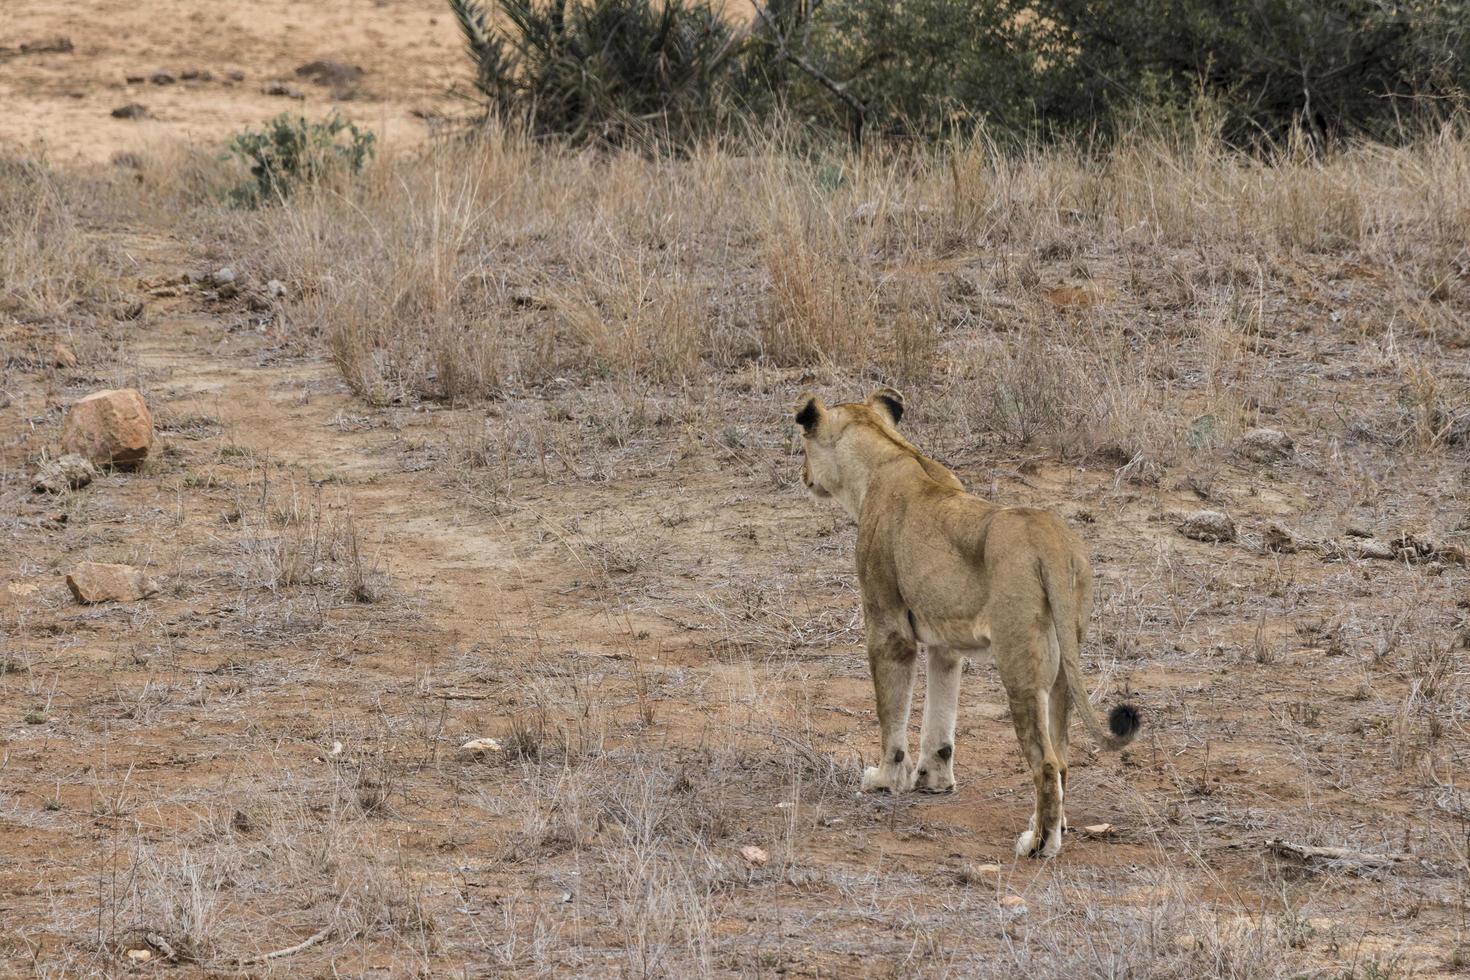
x=935 y=779
x=1032 y=844
x=888 y=779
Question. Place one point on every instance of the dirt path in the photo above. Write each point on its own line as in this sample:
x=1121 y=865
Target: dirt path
x=668 y=649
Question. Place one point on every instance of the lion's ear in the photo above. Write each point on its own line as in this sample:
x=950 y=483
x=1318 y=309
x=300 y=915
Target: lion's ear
x=888 y=401
x=809 y=413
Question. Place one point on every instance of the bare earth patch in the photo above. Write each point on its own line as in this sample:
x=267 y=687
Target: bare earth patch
x=506 y=457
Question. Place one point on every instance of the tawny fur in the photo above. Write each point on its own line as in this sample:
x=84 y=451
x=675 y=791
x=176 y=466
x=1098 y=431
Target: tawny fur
x=963 y=577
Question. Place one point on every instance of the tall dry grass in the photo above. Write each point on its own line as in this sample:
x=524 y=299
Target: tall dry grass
x=49 y=268
x=1023 y=288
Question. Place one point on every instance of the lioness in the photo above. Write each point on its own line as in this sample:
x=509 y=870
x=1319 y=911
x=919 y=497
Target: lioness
x=960 y=575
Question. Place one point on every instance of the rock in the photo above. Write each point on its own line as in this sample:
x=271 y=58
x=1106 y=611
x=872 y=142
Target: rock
x=63 y=357
x=133 y=110
x=275 y=288
x=1278 y=539
x=282 y=89
x=197 y=75
x=140 y=955
x=1073 y=297
x=1013 y=905
x=481 y=745
x=69 y=472
x=234 y=75
x=109 y=428
x=1266 y=446
x=225 y=282
x=331 y=73
x=1374 y=549
x=755 y=856
x=1098 y=829
x=93 y=582
x=163 y=77
x=1208 y=525
x=135 y=79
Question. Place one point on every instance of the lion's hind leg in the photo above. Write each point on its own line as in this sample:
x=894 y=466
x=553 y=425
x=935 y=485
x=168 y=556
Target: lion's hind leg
x=1029 y=669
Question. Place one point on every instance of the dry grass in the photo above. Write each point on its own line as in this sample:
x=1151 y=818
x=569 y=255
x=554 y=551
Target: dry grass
x=480 y=270
x=575 y=450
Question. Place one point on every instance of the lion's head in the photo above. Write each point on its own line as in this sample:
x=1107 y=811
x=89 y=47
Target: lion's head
x=826 y=437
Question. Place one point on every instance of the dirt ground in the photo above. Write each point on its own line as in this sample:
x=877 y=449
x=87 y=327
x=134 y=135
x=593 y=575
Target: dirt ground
x=630 y=592
x=60 y=102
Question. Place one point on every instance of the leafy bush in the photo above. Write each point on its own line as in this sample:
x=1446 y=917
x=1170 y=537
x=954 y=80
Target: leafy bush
x=1069 y=67
x=1333 y=68
x=610 y=71
x=620 y=71
x=292 y=152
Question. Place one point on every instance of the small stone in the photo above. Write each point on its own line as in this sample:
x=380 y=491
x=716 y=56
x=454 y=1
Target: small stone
x=753 y=855
x=1266 y=446
x=1013 y=905
x=1208 y=525
x=109 y=428
x=1372 y=548
x=336 y=749
x=197 y=75
x=223 y=275
x=1278 y=539
x=481 y=745
x=331 y=73
x=69 y=472
x=1098 y=829
x=133 y=110
x=163 y=77
x=139 y=955
x=64 y=357
x=282 y=89
x=234 y=75
x=135 y=79
x=94 y=582
x=275 y=288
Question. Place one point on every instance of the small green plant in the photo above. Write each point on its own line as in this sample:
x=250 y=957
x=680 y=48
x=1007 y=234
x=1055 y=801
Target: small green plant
x=291 y=152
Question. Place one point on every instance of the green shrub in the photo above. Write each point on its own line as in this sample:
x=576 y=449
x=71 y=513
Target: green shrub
x=292 y=152
x=1339 y=68
x=626 y=71
x=609 y=71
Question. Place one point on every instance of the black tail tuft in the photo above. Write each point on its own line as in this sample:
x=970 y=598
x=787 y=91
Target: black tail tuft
x=1123 y=721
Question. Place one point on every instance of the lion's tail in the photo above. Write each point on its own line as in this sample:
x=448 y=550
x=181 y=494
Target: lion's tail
x=1067 y=627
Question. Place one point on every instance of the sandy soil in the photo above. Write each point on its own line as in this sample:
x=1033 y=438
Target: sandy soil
x=663 y=633
x=60 y=104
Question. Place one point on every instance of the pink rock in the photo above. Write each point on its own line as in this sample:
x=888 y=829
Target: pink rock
x=109 y=428
x=92 y=582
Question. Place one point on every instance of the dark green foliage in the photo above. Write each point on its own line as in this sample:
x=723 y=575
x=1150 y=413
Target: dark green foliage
x=610 y=71
x=929 y=65
x=1331 y=67
x=621 y=71
x=292 y=152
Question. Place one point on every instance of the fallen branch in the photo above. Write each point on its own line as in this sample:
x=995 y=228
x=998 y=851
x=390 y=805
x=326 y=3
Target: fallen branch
x=1339 y=855
x=306 y=943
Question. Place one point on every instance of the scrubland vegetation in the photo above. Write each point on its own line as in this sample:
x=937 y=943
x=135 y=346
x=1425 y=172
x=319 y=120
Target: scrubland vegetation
x=505 y=452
